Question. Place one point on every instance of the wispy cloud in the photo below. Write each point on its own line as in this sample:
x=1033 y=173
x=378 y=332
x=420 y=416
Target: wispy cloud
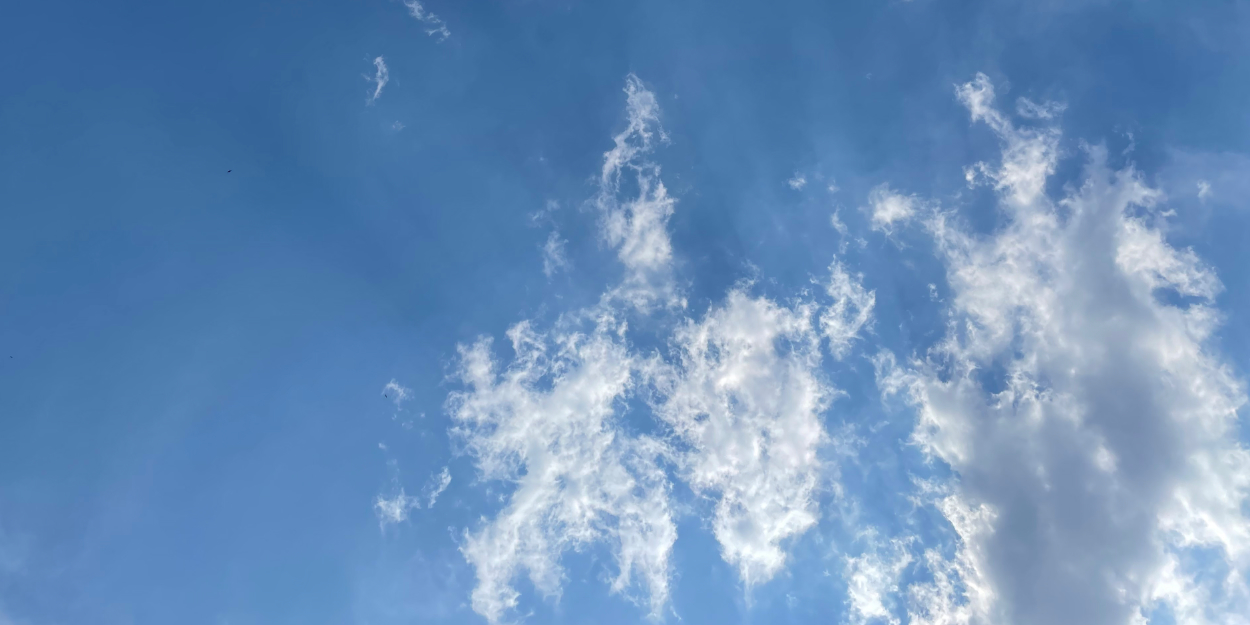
x=838 y=225
x=849 y=313
x=549 y=208
x=436 y=486
x=434 y=26
x=636 y=226
x=379 y=79
x=1029 y=154
x=798 y=181
x=554 y=258
x=1047 y=110
x=396 y=393
x=393 y=510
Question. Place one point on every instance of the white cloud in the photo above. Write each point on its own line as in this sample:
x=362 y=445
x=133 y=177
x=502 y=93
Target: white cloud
x=888 y=207
x=745 y=399
x=436 y=486
x=397 y=126
x=379 y=79
x=636 y=225
x=396 y=393
x=797 y=182
x=1204 y=189
x=1089 y=421
x=547 y=422
x=554 y=258
x=872 y=580
x=434 y=25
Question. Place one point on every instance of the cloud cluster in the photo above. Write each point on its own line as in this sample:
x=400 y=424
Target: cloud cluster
x=1086 y=420
x=738 y=398
x=1081 y=405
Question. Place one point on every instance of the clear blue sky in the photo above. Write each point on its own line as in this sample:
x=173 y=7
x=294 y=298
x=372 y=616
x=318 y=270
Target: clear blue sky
x=544 y=311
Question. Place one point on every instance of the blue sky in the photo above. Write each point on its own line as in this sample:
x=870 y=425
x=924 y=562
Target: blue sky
x=379 y=312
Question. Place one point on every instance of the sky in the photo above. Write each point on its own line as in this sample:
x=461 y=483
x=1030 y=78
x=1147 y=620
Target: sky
x=875 y=312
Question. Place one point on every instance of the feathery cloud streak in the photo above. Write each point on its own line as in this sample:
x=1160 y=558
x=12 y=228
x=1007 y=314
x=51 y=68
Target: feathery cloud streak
x=381 y=76
x=434 y=25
